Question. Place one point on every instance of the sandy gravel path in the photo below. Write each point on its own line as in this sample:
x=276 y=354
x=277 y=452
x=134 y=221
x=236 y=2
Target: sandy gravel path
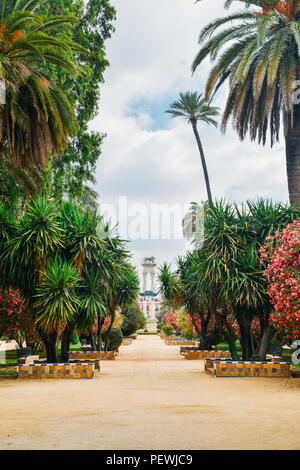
x=150 y=398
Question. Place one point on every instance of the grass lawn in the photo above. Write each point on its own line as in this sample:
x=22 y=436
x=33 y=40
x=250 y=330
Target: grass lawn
x=11 y=359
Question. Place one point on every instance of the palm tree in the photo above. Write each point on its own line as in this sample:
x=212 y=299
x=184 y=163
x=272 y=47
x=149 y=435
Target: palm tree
x=37 y=117
x=192 y=106
x=258 y=52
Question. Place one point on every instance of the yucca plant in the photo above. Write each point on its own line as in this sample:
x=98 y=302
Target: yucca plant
x=56 y=301
x=193 y=107
x=257 y=51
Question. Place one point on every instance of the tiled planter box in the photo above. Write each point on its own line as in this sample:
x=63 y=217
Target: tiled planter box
x=184 y=349
x=96 y=362
x=85 y=355
x=178 y=342
x=126 y=342
x=56 y=371
x=192 y=355
x=252 y=369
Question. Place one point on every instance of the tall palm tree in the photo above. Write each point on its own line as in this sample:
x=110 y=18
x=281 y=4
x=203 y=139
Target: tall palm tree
x=257 y=50
x=192 y=106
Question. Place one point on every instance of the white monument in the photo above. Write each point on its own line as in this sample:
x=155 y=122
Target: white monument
x=149 y=294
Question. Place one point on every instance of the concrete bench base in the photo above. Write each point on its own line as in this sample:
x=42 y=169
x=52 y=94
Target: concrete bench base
x=56 y=371
x=201 y=355
x=252 y=369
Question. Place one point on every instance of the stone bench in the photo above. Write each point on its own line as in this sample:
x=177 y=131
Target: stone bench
x=56 y=371
x=178 y=342
x=96 y=362
x=184 y=349
x=252 y=369
x=27 y=360
x=87 y=355
x=272 y=358
x=201 y=354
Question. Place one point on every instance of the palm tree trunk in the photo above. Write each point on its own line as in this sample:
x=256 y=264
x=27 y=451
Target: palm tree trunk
x=292 y=139
x=206 y=177
x=112 y=320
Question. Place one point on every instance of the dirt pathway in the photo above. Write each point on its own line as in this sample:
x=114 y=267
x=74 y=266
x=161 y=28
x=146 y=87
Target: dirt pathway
x=150 y=398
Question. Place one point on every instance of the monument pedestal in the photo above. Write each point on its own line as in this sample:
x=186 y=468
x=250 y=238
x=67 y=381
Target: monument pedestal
x=152 y=326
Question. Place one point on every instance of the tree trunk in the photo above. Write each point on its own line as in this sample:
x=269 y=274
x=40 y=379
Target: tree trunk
x=246 y=339
x=229 y=334
x=206 y=177
x=93 y=342
x=52 y=347
x=112 y=319
x=65 y=342
x=292 y=139
x=268 y=334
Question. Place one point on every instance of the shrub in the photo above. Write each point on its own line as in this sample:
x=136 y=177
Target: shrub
x=282 y=254
x=133 y=320
x=115 y=338
x=167 y=330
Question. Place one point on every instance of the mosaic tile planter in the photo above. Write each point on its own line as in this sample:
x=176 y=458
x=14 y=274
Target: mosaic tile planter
x=85 y=355
x=178 y=342
x=184 y=349
x=201 y=355
x=96 y=362
x=56 y=371
x=252 y=369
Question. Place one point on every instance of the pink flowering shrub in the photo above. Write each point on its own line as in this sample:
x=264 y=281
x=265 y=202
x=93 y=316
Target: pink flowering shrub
x=282 y=255
x=170 y=318
x=16 y=322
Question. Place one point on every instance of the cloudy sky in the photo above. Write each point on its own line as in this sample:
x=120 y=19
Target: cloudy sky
x=150 y=158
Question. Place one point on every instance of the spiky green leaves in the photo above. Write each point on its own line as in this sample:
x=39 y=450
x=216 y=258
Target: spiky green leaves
x=260 y=59
x=56 y=299
x=193 y=107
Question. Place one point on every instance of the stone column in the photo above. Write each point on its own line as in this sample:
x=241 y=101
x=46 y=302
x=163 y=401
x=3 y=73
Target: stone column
x=145 y=307
x=152 y=309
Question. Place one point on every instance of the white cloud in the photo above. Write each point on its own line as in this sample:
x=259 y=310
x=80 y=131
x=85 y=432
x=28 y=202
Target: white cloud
x=150 y=58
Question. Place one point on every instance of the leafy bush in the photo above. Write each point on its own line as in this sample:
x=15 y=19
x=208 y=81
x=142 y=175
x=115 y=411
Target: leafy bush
x=74 y=339
x=133 y=320
x=167 y=330
x=114 y=339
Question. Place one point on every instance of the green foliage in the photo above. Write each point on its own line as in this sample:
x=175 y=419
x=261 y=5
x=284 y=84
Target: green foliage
x=74 y=171
x=38 y=118
x=224 y=279
x=56 y=297
x=168 y=330
x=115 y=338
x=134 y=319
